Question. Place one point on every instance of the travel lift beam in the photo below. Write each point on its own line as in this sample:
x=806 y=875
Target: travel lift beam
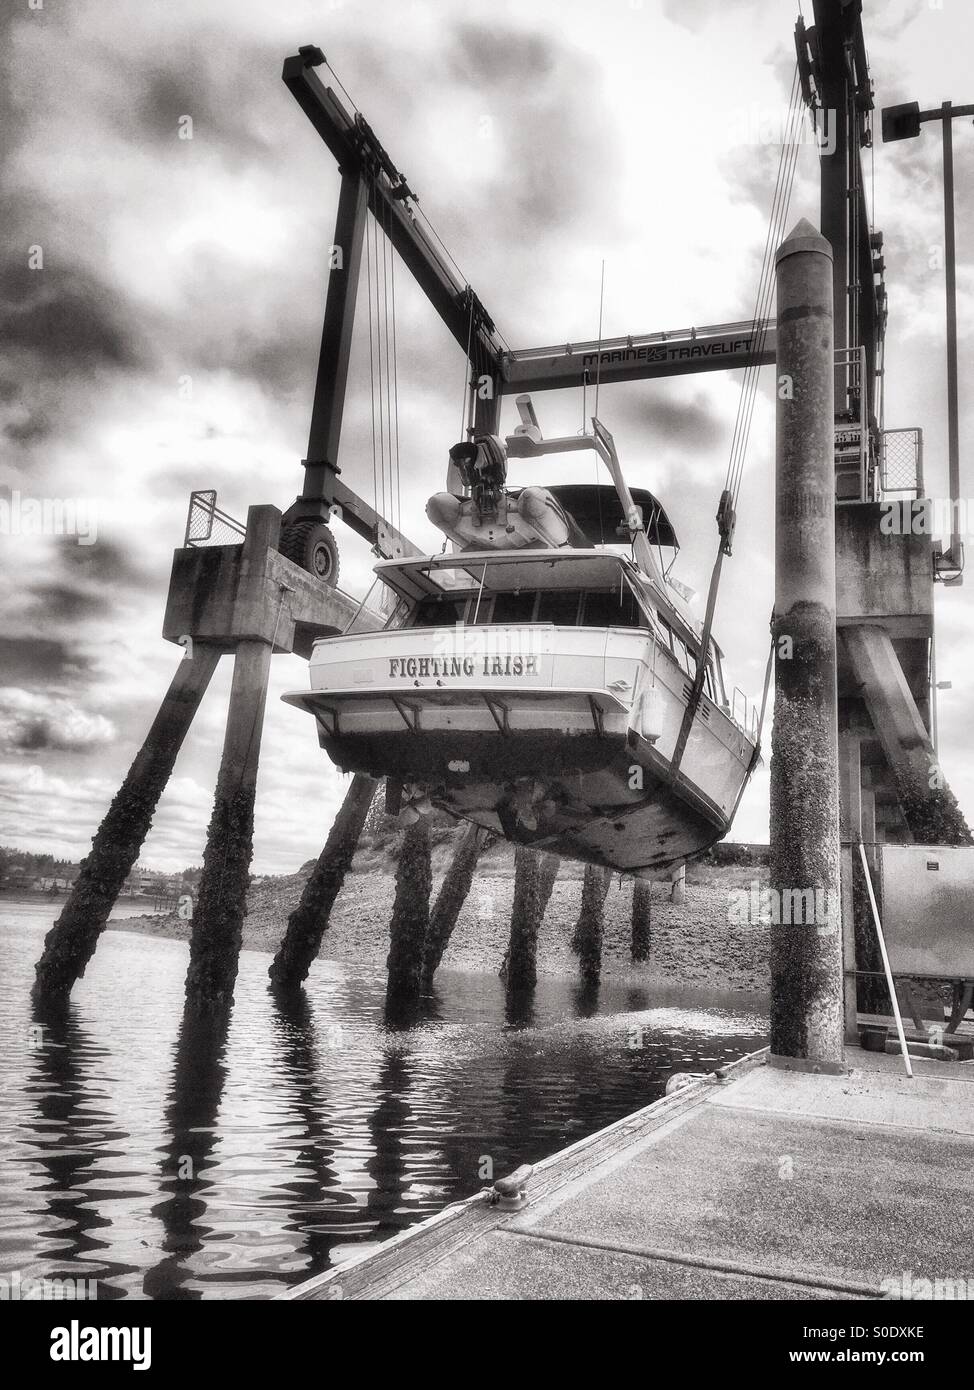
x=371 y=183
x=837 y=88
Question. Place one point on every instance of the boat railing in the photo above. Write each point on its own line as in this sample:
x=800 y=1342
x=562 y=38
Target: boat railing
x=747 y=719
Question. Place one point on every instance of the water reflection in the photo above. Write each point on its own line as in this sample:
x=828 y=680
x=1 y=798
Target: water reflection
x=170 y=1156
x=198 y=1078
x=69 y=1122
x=519 y=1007
x=314 y=1184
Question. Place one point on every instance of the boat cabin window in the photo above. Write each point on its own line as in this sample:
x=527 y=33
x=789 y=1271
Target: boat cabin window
x=513 y=607
x=613 y=609
x=558 y=606
x=438 y=612
x=562 y=607
x=687 y=658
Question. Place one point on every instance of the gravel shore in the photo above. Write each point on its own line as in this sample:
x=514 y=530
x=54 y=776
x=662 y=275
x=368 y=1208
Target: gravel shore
x=693 y=944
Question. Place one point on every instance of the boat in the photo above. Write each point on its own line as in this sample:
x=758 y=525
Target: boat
x=542 y=676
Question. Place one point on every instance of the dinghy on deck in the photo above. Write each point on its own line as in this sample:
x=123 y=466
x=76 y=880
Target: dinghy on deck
x=542 y=685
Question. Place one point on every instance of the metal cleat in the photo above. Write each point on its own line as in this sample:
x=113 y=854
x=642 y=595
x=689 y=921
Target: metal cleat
x=509 y=1193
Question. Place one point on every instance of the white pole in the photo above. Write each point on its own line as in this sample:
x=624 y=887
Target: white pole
x=886 y=965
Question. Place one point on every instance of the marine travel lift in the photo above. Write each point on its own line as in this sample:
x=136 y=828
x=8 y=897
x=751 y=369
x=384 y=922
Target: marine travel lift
x=885 y=583
x=371 y=183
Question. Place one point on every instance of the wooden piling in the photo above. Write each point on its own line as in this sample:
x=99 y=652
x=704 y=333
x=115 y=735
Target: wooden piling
x=590 y=928
x=453 y=893
x=308 y=922
x=221 y=901
x=642 y=918
x=115 y=849
x=520 y=968
x=410 y=919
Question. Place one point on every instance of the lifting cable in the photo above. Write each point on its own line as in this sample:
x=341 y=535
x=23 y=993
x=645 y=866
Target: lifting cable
x=378 y=347
x=727 y=508
x=385 y=379
x=395 y=386
x=368 y=267
x=383 y=368
x=388 y=368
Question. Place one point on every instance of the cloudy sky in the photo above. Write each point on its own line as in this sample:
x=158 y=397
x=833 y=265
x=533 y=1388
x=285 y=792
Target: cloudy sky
x=165 y=339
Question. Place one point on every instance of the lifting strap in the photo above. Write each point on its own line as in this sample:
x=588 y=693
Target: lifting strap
x=725 y=525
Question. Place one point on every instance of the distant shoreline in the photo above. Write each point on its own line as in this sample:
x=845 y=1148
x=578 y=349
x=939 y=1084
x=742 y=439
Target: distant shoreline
x=28 y=895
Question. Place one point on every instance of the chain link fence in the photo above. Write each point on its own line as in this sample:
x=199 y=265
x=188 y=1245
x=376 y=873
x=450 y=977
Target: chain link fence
x=207 y=525
x=901 y=461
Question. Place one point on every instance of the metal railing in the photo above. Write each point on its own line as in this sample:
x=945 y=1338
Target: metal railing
x=901 y=462
x=855 y=469
x=747 y=719
x=206 y=524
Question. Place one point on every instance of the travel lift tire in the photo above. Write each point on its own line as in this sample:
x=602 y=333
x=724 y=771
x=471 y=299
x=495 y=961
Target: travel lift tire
x=311 y=545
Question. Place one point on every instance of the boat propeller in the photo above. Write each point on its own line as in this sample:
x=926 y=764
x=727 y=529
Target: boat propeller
x=415 y=803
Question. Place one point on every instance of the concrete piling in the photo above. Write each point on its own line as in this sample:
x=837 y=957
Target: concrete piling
x=308 y=922
x=806 y=947
x=221 y=902
x=115 y=849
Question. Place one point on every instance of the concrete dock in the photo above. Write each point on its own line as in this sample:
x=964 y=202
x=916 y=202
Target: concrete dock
x=755 y=1183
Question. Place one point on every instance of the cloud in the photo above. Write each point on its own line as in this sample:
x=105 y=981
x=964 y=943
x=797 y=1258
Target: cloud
x=693 y=423
x=539 y=144
x=693 y=15
x=66 y=602
x=30 y=721
x=42 y=660
x=66 y=316
x=541 y=100
x=108 y=564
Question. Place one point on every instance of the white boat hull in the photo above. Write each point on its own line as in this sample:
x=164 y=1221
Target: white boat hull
x=555 y=737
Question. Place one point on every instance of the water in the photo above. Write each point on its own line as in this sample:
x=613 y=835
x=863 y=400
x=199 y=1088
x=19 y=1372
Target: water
x=172 y=1161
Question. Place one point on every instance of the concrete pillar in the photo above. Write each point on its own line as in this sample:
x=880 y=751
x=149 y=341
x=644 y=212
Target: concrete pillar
x=806 y=956
x=928 y=805
x=869 y=836
x=850 y=829
x=221 y=902
x=308 y=922
x=115 y=849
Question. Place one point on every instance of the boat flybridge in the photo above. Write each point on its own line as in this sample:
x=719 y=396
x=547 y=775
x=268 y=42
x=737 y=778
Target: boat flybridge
x=544 y=677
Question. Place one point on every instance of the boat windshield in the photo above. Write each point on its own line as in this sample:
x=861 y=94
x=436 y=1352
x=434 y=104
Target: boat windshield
x=495 y=572
x=580 y=589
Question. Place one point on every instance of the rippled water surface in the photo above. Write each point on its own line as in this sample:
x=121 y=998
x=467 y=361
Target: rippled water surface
x=166 y=1160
